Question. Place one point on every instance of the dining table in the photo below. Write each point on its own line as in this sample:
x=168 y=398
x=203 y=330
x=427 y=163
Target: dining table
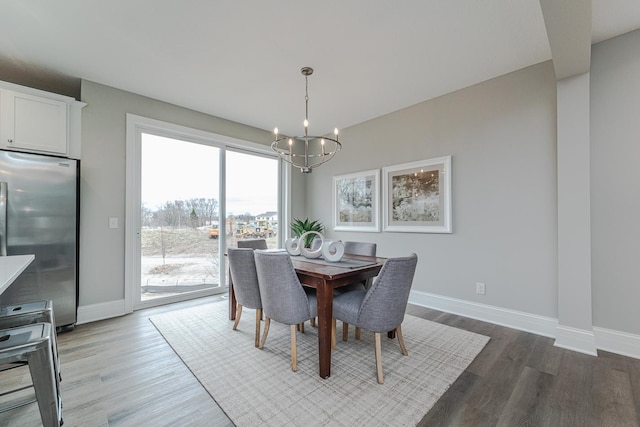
x=325 y=276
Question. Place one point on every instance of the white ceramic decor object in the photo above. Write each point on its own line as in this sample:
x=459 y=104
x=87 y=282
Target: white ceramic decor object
x=292 y=246
x=306 y=252
x=332 y=250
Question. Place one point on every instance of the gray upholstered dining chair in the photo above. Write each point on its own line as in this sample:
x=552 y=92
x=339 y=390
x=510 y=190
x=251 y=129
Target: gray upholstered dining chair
x=381 y=308
x=242 y=268
x=283 y=298
x=360 y=248
x=316 y=243
x=354 y=248
x=253 y=243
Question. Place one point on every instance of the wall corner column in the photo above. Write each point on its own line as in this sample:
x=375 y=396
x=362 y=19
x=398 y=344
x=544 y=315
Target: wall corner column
x=575 y=327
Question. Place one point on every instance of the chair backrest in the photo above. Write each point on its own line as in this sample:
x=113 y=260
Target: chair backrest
x=253 y=243
x=283 y=298
x=242 y=268
x=316 y=243
x=385 y=303
x=360 y=248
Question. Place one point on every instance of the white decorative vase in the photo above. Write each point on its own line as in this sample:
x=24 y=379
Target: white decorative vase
x=332 y=250
x=292 y=246
x=306 y=252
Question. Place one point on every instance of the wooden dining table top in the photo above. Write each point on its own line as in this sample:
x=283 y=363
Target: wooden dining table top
x=335 y=270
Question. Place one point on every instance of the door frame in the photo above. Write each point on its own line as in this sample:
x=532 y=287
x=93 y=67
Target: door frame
x=135 y=126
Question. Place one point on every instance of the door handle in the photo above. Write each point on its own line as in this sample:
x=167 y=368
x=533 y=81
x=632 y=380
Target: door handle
x=3 y=218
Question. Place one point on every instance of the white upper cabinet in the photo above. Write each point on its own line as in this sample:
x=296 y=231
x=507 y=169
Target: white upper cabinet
x=34 y=123
x=37 y=121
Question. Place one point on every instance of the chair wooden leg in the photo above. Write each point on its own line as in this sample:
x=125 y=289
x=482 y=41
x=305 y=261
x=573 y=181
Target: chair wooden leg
x=378 y=345
x=333 y=334
x=345 y=331
x=267 y=323
x=301 y=327
x=258 y=319
x=238 y=314
x=401 y=341
x=313 y=322
x=294 y=358
x=367 y=283
x=357 y=333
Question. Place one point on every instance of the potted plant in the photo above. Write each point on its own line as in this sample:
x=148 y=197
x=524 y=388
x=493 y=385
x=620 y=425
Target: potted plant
x=299 y=227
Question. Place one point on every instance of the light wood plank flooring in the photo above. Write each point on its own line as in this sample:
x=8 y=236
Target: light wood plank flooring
x=121 y=372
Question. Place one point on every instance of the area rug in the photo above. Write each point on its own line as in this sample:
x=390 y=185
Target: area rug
x=257 y=387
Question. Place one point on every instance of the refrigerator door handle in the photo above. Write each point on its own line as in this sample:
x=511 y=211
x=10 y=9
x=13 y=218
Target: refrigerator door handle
x=3 y=219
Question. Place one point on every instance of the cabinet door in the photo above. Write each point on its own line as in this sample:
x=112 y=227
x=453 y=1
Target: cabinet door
x=33 y=123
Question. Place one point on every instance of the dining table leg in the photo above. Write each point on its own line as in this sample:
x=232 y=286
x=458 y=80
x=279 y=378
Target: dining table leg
x=325 y=314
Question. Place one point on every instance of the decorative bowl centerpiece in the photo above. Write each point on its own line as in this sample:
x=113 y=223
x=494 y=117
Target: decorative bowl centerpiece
x=305 y=233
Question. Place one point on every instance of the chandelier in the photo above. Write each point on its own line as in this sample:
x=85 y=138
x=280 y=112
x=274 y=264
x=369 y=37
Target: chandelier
x=306 y=152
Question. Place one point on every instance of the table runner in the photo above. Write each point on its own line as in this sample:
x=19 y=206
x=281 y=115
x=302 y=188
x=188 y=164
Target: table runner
x=344 y=263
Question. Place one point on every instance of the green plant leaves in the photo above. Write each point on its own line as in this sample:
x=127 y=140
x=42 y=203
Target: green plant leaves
x=299 y=227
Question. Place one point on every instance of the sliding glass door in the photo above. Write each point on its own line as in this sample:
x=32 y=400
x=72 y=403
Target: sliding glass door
x=179 y=205
x=189 y=197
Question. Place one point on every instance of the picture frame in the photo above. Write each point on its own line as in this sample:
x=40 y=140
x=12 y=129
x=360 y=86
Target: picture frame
x=356 y=201
x=417 y=196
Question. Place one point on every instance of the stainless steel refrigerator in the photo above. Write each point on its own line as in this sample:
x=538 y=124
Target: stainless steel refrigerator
x=39 y=215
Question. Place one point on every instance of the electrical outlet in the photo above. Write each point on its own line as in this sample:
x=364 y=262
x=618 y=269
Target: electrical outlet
x=480 y=288
x=113 y=222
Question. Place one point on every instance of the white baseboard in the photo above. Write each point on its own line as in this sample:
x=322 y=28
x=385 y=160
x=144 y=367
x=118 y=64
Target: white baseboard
x=576 y=339
x=617 y=342
x=101 y=311
x=540 y=325
x=573 y=339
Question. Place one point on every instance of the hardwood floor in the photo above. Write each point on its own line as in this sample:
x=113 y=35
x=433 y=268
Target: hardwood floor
x=521 y=379
x=121 y=372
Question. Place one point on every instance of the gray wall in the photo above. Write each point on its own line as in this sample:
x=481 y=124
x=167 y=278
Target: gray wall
x=501 y=135
x=615 y=182
x=103 y=179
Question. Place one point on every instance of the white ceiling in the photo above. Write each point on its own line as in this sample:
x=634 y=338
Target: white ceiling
x=241 y=60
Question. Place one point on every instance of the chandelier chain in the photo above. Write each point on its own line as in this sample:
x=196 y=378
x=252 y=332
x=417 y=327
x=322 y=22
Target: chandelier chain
x=306 y=104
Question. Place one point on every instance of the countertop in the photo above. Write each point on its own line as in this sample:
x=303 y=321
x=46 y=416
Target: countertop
x=10 y=268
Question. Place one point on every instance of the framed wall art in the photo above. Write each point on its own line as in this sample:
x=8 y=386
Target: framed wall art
x=417 y=196
x=356 y=201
